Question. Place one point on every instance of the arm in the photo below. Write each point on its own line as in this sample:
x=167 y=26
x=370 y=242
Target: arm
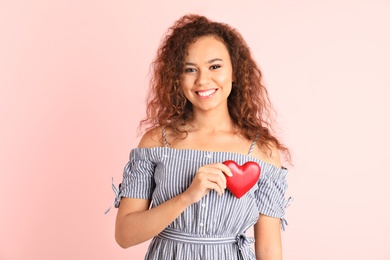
x=136 y=223
x=268 y=242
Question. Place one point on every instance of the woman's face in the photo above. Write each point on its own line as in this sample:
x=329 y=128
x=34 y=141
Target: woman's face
x=208 y=74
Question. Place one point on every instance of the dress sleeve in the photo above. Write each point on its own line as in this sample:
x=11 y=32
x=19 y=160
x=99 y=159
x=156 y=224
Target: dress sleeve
x=270 y=195
x=138 y=181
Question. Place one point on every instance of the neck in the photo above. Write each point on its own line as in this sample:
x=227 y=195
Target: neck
x=212 y=121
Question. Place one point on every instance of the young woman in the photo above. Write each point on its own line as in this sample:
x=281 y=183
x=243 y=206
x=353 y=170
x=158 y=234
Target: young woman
x=206 y=105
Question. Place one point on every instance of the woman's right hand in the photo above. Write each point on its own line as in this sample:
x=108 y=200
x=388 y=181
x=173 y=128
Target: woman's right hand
x=208 y=177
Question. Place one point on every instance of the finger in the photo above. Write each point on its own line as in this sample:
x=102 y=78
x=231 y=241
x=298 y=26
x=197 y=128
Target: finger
x=215 y=175
x=212 y=170
x=216 y=168
x=222 y=167
x=214 y=186
x=220 y=180
x=226 y=170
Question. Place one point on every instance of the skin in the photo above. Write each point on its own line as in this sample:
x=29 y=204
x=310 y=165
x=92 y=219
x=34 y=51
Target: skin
x=208 y=76
x=206 y=82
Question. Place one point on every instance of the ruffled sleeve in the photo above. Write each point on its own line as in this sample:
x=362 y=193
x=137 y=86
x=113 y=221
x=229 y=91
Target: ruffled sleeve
x=138 y=181
x=270 y=195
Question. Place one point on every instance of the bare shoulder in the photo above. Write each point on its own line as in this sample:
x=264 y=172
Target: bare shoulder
x=269 y=154
x=152 y=138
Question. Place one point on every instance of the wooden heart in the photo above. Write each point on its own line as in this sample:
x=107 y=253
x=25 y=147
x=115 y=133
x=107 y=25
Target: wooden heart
x=244 y=177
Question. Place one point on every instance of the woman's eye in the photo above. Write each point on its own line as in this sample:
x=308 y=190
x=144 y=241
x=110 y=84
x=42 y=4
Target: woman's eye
x=214 y=67
x=189 y=70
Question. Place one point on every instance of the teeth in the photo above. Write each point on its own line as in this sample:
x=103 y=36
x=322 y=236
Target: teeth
x=206 y=93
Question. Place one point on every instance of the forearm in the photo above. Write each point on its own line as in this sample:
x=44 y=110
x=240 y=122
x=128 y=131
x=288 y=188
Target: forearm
x=269 y=254
x=268 y=240
x=137 y=227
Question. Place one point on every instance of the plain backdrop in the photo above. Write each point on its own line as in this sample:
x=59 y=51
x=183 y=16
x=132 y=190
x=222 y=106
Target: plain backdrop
x=73 y=80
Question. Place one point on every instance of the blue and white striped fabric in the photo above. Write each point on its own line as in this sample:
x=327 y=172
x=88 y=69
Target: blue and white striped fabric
x=213 y=228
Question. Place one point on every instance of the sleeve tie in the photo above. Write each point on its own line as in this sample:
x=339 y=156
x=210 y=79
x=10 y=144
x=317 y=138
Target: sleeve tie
x=244 y=243
x=117 y=199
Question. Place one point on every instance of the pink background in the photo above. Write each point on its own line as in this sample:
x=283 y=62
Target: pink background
x=73 y=76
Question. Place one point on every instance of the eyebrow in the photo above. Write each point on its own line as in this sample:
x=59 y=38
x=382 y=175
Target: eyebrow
x=208 y=62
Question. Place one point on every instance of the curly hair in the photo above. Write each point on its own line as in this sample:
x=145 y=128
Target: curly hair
x=168 y=107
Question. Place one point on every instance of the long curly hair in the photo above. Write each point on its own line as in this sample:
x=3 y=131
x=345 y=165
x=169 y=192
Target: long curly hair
x=248 y=103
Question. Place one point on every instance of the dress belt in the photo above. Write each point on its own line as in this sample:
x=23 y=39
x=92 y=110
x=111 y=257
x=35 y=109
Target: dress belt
x=243 y=242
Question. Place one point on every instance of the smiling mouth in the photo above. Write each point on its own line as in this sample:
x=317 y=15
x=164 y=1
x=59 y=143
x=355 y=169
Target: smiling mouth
x=206 y=93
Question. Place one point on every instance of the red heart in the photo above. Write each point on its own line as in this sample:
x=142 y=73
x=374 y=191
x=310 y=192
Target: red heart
x=244 y=177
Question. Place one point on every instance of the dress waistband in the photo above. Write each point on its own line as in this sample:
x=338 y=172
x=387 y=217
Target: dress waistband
x=243 y=242
x=176 y=235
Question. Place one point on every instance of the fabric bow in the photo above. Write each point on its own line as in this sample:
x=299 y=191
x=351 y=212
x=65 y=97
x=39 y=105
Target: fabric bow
x=244 y=243
x=117 y=199
x=283 y=221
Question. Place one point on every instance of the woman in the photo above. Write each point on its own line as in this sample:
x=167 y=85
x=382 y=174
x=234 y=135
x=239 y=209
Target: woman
x=206 y=105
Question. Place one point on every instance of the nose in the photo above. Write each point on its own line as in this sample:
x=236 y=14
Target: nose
x=203 y=77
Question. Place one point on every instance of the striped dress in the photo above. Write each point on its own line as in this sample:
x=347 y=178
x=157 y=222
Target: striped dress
x=214 y=227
